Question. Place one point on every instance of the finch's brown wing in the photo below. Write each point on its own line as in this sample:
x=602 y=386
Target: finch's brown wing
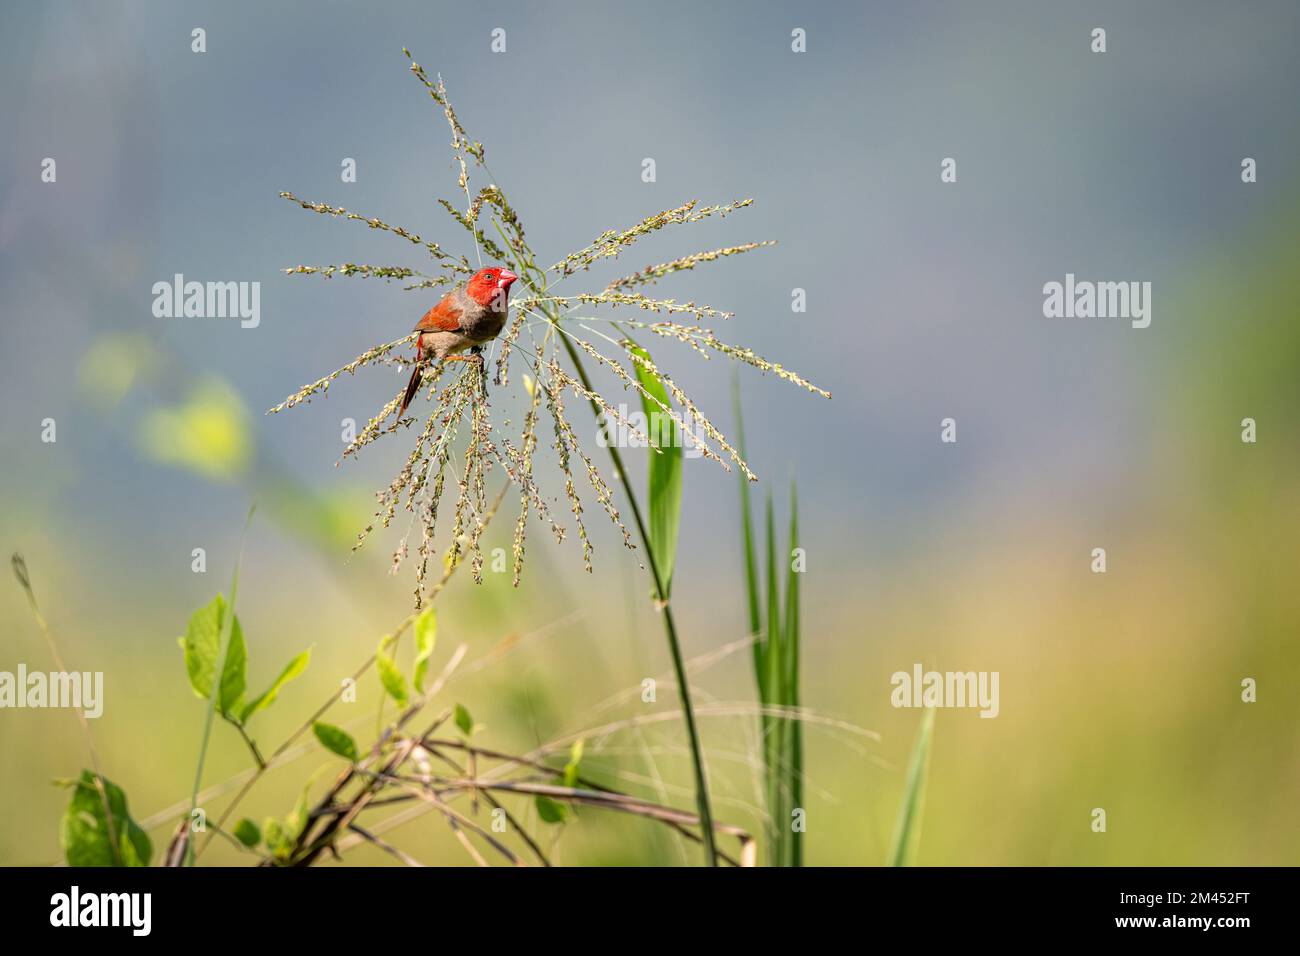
x=443 y=317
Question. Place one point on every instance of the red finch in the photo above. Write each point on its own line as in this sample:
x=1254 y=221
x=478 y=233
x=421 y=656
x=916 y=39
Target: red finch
x=467 y=317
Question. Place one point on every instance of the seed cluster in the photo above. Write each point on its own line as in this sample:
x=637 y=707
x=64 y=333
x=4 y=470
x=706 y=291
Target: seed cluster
x=543 y=327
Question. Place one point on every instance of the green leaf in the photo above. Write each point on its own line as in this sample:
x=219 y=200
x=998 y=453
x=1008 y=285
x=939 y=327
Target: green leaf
x=278 y=840
x=202 y=644
x=298 y=818
x=550 y=810
x=907 y=828
x=389 y=676
x=426 y=632
x=281 y=835
x=463 y=720
x=336 y=740
x=84 y=831
x=247 y=833
x=571 y=768
x=264 y=700
x=665 y=480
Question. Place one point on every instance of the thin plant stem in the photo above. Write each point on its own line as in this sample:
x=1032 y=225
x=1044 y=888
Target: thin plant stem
x=661 y=595
x=670 y=630
x=252 y=746
x=214 y=693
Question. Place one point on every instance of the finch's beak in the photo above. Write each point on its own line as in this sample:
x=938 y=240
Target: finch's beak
x=507 y=277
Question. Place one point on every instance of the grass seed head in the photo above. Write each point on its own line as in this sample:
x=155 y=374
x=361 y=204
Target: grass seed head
x=461 y=414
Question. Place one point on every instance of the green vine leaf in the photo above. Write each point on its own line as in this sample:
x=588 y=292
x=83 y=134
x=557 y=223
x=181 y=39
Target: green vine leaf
x=202 y=646
x=84 y=831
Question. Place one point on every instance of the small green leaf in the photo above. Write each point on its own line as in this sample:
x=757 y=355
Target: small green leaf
x=665 y=481
x=336 y=740
x=280 y=836
x=389 y=676
x=291 y=670
x=571 y=768
x=426 y=632
x=202 y=645
x=277 y=838
x=550 y=810
x=247 y=833
x=297 y=820
x=84 y=831
x=463 y=720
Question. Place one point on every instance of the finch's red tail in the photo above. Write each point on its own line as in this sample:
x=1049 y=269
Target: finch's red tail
x=412 y=388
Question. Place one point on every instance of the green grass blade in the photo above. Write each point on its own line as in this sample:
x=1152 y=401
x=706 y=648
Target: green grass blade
x=775 y=731
x=907 y=829
x=747 y=524
x=665 y=482
x=794 y=758
x=774 y=654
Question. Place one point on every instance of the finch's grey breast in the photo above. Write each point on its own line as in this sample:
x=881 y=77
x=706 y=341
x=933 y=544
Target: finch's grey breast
x=442 y=344
x=482 y=325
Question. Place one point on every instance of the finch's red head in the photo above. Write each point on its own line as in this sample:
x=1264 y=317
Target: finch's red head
x=486 y=284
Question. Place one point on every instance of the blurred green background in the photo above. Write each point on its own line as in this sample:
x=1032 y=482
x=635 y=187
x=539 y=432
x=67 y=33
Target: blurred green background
x=1119 y=691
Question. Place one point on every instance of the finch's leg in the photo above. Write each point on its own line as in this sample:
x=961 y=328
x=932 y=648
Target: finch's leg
x=475 y=355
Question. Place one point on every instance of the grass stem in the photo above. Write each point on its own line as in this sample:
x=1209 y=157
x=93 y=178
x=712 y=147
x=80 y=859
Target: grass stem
x=670 y=630
x=218 y=687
